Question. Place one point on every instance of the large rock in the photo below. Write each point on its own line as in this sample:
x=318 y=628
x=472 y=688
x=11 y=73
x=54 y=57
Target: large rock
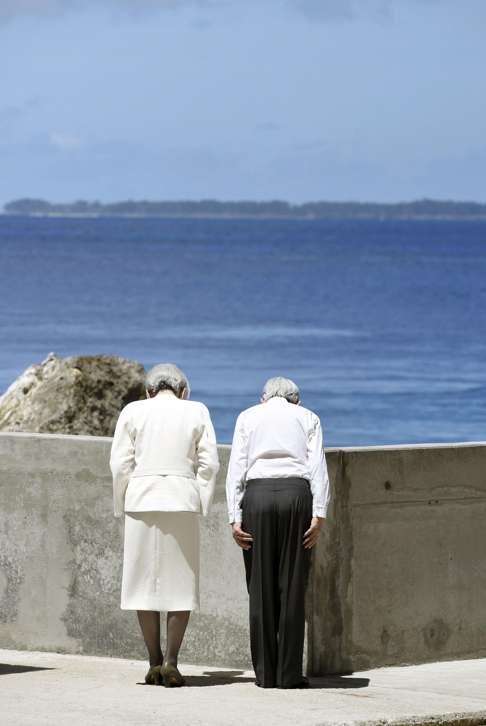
x=77 y=395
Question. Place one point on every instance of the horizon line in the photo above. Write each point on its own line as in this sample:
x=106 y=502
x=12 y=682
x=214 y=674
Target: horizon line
x=243 y=200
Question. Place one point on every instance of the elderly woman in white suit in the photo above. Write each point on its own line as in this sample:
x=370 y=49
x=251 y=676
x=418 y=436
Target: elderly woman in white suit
x=164 y=463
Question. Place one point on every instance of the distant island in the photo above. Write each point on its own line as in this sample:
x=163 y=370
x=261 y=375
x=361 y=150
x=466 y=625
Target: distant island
x=420 y=209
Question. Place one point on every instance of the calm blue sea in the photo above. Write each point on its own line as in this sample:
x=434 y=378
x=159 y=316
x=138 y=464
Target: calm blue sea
x=382 y=324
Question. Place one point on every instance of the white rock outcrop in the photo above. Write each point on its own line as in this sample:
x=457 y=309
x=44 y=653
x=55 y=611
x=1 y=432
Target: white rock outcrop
x=76 y=395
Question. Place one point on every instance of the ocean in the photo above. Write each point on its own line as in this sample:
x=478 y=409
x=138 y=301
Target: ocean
x=382 y=324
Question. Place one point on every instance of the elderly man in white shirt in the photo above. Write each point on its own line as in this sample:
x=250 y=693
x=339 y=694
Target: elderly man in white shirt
x=164 y=461
x=277 y=492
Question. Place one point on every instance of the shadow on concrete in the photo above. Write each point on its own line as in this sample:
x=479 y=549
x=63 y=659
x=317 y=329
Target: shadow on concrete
x=212 y=680
x=6 y=668
x=338 y=682
x=215 y=678
x=226 y=678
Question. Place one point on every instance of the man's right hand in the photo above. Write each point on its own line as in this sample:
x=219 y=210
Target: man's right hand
x=243 y=539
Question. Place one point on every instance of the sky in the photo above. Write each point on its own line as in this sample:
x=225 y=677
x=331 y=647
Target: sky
x=368 y=100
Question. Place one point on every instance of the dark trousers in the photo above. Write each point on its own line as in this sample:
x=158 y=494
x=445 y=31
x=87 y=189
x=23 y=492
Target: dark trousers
x=277 y=512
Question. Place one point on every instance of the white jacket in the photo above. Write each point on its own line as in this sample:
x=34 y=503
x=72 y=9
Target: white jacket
x=164 y=456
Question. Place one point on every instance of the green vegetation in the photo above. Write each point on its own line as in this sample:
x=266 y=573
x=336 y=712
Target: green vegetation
x=420 y=209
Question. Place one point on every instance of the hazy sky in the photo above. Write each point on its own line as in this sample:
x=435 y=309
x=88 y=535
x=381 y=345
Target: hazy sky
x=234 y=99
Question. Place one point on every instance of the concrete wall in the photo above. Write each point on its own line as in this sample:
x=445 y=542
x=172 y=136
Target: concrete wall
x=399 y=574
x=60 y=558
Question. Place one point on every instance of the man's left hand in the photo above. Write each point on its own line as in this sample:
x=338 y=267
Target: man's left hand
x=312 y=534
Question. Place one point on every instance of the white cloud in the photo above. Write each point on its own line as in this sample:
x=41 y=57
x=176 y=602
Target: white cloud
x=329 y=10
x=10 y=9
x=63 y=141
x=379 y=10
x=314 y=10
x=325 y=10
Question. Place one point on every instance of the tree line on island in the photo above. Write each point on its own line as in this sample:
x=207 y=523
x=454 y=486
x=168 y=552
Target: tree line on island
x=419 y=209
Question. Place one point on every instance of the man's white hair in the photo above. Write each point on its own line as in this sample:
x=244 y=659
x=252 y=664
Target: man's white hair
x=166 y=376
x=283 y=387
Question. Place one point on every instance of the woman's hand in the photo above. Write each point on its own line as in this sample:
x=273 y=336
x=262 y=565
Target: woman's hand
x=312 y=534
x=243 y=539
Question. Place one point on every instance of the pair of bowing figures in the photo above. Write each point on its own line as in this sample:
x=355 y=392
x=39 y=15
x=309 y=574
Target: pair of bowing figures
x=164 y=462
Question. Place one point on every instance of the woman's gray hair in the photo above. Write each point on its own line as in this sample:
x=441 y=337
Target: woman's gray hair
x=283 y=387
x=166 y=376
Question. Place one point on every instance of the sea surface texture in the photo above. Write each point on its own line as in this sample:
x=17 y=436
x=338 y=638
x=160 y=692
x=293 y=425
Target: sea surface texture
x=381 y=324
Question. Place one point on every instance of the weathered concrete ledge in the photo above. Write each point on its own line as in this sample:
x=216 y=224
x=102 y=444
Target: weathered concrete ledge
x=399 y=575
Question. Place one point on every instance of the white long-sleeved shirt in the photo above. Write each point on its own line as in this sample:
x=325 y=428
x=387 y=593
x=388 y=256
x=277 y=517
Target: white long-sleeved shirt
x=164 y=456
x=277 y=439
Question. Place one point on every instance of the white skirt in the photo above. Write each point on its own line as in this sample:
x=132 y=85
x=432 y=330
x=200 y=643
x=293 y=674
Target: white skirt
x=161 y=561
